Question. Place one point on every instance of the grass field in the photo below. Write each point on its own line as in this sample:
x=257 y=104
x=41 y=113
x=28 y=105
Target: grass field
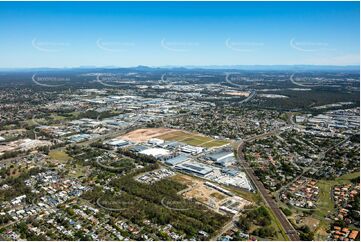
x=77 y=171
x=193 y=139
x=35 y=121
x=57 y=117
x=325 y=203
x=59 y=155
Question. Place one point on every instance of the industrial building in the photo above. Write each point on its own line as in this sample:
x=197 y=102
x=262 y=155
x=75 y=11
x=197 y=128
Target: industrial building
x=172 y=161
x=155 y=141
x=118 y=142
x=194 y=168
x=138 y=148
x=192 y=149
x=79 y=137
x=222 y=158
x=155 y=152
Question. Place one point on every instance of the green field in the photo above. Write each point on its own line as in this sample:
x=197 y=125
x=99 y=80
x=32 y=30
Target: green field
x=35 y=121
x=325 y=203
x=59 y=155
x=57 y=117
x=193 y=139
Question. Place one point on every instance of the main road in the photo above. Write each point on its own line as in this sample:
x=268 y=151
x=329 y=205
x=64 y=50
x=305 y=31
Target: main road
x=286 y=225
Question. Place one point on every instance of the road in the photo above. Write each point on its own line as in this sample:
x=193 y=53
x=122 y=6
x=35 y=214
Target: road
x=250 y=97
x=226 y=227
x=286 y=225
x=300 y=84
x=269 y=133
x=320 y=156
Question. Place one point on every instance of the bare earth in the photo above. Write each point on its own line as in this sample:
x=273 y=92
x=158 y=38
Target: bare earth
x=199 y=191
x=212 y=198
x=143 y=135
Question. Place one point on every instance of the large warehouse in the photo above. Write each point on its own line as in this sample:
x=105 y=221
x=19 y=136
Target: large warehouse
x=194 y=168
x=176 y=160
x=155 y=152
x=222 y=158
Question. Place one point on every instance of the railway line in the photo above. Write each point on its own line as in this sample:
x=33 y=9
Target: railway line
x=286 y=225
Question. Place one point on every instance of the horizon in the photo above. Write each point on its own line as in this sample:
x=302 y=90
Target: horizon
x=205 y=67
x=178 y=34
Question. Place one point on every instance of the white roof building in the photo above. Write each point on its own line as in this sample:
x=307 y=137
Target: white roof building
x=155 y=152
x=192 y=149
x=155 y=141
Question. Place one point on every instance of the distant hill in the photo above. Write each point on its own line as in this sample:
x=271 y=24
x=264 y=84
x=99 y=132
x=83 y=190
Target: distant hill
x=211 y=67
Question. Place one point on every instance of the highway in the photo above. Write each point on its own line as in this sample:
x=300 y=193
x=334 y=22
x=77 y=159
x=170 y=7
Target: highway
x=286 y=225
x=250 y=97
x=299 y=84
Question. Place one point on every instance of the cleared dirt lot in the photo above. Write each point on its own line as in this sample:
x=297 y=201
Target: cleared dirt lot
x=209 y=196
x=143 y=135
x=199 y=191
x=195 y=139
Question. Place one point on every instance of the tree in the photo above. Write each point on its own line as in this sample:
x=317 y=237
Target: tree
x=286 y=211
x=264 y=232
x=244 y=223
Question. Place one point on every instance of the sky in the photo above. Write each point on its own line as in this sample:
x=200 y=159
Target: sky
x=124 y=34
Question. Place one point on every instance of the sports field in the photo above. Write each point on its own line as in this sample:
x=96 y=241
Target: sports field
x=192 y=139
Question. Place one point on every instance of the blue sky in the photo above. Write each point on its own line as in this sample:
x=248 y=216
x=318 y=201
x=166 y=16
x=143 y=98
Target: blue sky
x=71 y=34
